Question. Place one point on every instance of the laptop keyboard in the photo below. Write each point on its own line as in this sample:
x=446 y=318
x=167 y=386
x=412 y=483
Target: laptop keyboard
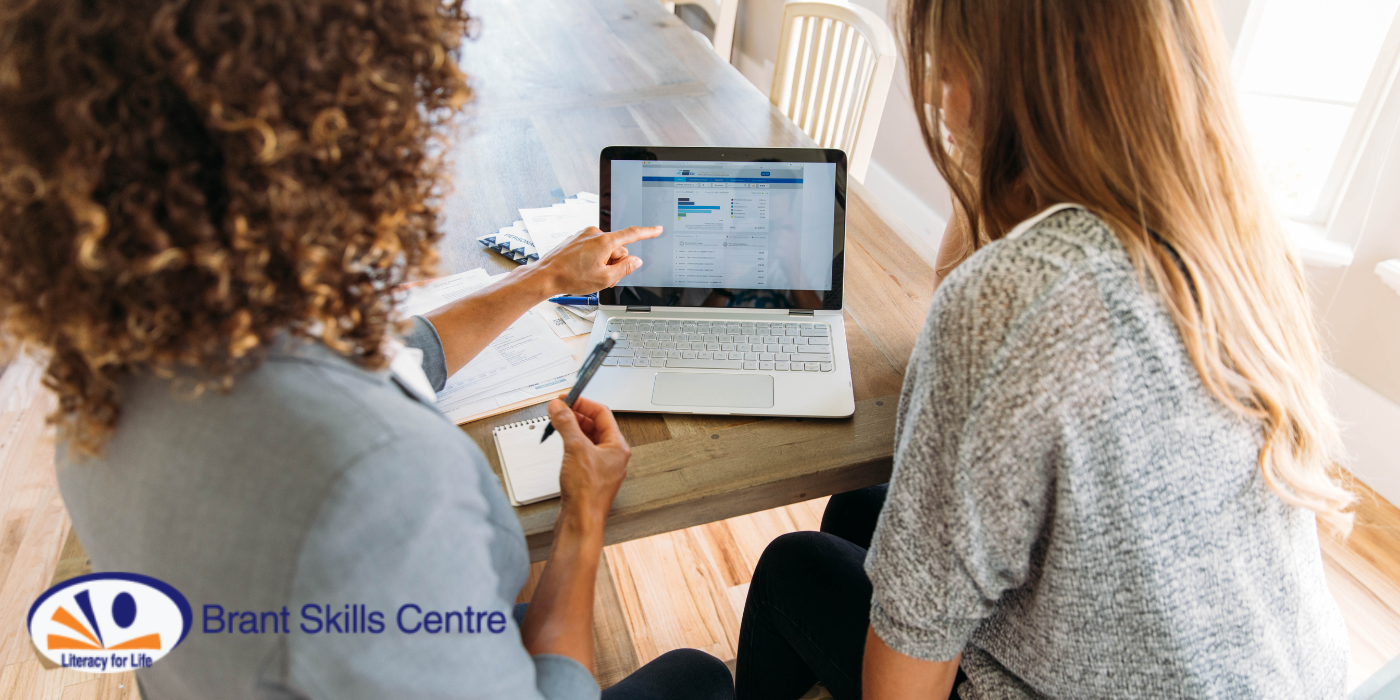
x=689 y=344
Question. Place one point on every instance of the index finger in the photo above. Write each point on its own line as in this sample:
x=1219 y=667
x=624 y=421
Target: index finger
x=603 y=421
x=632 y=234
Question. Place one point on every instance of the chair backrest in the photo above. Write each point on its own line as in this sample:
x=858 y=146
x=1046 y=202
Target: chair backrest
x=835 y=64
x=722 y=13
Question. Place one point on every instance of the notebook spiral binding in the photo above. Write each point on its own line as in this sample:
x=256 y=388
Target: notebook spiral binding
x=521 y=424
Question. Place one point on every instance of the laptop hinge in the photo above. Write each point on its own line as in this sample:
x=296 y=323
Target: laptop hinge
x=639 y=309
x=801 y=312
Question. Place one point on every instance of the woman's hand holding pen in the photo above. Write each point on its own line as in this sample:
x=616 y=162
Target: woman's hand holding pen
x=595 y=459
x=593 y=260
x=560 y=617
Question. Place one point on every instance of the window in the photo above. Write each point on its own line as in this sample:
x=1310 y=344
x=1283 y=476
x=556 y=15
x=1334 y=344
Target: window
x=1311 y=76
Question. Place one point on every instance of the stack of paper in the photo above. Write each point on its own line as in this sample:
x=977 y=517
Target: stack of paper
x=567 y=321
x=526 y=361
x=512 y=242
x=550 y=226
x=542 y=230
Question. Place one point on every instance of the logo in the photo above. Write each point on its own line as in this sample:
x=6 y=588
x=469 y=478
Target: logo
x=109 y=622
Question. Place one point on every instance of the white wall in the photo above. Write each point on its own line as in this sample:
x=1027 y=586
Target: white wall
x=1371 y=432
x=1232 y=14
x=1360 y=316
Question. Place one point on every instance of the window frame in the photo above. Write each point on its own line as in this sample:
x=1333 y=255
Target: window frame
x=1360 y=131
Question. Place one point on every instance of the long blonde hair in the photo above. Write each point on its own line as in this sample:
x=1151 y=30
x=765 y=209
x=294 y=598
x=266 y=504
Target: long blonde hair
x=1127 y=107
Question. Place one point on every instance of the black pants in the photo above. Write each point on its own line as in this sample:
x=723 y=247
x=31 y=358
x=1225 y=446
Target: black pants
x=682 y=674
x=809 y=606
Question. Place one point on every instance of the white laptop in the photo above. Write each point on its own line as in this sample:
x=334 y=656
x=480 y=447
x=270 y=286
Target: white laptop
x=737 y=306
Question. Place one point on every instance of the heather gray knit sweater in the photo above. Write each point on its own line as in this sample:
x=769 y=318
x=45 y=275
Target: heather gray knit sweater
x=1074 y=512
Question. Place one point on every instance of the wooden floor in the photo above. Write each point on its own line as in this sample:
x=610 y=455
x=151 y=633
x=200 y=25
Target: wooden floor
x=680 y=589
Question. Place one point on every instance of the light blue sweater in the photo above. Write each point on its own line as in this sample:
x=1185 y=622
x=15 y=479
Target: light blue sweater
x=316 y=483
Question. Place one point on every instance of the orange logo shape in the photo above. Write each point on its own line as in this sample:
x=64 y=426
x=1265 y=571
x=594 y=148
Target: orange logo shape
x=109 y=622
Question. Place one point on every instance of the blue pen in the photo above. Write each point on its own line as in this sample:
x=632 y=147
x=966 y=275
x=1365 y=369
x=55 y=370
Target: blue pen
x=566 y=300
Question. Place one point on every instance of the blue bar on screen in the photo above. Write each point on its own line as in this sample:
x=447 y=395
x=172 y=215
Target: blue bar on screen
x=721 y=179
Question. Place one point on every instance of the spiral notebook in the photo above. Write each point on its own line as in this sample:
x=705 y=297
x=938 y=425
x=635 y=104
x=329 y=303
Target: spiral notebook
x=530 y=468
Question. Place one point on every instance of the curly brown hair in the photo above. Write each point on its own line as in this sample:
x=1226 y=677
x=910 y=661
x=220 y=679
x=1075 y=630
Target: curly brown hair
x=182 y=180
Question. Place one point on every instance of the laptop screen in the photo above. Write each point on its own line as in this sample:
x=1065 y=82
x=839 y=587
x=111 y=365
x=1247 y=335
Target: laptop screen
x=749 y=233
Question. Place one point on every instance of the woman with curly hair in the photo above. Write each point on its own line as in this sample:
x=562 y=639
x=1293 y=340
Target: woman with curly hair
x=205 y=205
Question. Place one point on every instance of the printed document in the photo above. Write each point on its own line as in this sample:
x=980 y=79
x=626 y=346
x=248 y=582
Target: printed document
x=547 y=227
x=524 y=361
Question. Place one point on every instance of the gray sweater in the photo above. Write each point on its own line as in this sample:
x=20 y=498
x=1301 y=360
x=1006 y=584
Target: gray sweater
x=316 y=482
x=1074 y=512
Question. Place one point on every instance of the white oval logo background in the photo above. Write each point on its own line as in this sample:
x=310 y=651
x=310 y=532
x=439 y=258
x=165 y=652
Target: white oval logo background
x=109 y=622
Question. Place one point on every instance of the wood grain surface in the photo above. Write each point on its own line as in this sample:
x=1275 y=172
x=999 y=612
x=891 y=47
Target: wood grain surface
x=555 y=87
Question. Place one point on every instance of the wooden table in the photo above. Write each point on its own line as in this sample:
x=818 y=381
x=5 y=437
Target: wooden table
x=556 y=81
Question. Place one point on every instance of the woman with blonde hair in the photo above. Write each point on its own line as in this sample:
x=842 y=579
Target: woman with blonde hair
x=1112 y=446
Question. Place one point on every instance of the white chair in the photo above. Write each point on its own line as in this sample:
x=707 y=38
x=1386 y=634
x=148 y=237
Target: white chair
x=835 y=64
x=722 y=13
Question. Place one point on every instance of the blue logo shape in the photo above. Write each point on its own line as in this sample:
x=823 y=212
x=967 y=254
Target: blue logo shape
x=124 y=610
x=144 y=619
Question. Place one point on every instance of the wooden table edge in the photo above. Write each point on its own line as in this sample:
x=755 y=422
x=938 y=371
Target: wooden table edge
x=870 y=428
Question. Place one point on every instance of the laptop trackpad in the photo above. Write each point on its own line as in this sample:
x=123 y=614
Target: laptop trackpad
x=731 y=390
